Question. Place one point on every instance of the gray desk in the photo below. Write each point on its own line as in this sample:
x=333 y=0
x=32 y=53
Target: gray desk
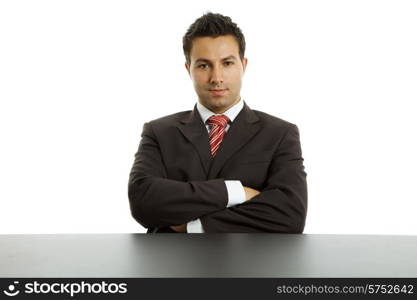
x=207 y=255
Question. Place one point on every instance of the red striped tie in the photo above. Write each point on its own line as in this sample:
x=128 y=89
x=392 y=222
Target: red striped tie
x=217 y=130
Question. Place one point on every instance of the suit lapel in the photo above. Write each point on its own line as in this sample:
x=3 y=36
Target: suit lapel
x=242 y=129
x=193 y=128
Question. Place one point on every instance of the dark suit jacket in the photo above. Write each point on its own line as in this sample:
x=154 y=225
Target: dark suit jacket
x=174 y=179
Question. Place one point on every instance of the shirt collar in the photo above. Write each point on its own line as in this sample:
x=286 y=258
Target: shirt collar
x=231 y=113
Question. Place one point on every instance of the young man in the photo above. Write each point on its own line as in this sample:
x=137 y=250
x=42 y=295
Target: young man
x=221 y=167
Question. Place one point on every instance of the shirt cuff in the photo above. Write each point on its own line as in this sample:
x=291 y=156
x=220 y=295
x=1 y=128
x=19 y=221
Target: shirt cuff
x=235 y=192
x=195 y=226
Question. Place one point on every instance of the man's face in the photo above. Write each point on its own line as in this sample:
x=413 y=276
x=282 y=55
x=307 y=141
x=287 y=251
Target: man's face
x=216 y=70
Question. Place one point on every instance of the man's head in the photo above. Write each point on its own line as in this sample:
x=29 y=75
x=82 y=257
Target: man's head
x=214 y=49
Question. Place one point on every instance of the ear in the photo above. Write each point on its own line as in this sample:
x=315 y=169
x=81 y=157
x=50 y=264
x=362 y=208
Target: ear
x=244 y=63
x=187 y=66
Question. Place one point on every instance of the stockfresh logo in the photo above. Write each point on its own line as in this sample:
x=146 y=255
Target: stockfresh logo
x=12 y=289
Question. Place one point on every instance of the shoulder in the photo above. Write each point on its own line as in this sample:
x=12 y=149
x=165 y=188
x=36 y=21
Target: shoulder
x=270 y=121
x=170 y=120
x=277 y=128
x=164 y=125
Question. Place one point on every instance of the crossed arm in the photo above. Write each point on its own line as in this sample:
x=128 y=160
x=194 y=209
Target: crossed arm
x=157 y=201
x=249 y=194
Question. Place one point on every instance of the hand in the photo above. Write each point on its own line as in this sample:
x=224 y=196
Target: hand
x=250 y=193
x=179 y=228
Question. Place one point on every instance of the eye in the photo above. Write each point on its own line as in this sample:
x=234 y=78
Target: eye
x=228 y=63
x=202 y=66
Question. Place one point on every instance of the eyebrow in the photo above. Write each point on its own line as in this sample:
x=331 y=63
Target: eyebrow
x=223 y=59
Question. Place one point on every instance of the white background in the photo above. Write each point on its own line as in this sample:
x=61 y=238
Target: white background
x=79 y=78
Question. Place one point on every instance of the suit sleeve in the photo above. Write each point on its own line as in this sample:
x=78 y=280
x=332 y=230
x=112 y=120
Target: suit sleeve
x=156 y=201
x=281 y=206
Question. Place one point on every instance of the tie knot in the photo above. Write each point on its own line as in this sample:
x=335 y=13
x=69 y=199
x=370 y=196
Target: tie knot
x=220 y=120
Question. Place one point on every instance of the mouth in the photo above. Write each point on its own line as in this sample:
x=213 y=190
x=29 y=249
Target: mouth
x=218 y=92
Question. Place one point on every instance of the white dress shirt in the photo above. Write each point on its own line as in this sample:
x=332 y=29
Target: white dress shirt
x=236 y=193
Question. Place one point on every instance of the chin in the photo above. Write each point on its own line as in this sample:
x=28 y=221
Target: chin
x=217 y=103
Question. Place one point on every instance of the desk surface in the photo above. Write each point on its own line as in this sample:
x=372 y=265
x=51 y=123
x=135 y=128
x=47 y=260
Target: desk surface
x=207 y=255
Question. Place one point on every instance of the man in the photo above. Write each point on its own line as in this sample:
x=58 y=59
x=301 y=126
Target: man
x=221 y=167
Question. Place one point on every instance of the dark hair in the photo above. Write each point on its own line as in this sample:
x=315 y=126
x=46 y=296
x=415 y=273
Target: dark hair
x=212 y=25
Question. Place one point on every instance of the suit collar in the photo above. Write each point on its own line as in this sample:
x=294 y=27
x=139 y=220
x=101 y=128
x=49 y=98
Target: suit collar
x=242 y=129
x=194 y=130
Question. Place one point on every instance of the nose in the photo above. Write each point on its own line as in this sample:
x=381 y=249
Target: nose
x=216 y=76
